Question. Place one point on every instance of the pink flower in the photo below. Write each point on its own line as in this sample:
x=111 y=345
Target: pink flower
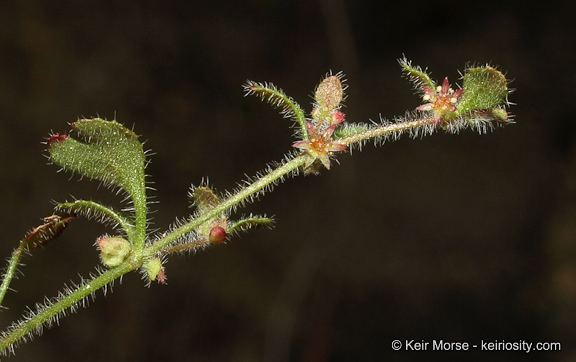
x=441 y=101
x=319 y=146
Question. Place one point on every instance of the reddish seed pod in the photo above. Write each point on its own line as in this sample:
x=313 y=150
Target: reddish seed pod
x=217 y=235
x=52 y=228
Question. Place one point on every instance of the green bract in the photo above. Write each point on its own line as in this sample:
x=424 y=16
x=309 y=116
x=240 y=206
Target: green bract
x=484 y=88
x=417 y=76
x=113 y=250
x=205 y=200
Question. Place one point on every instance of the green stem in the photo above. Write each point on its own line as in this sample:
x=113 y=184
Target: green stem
x=272 y=177
x=230 y=202
x=11 y=270
x=184 y=247
x=384 y=130
x=135 y=261
x=36 y=322
x=137 y=257
x=141 y=211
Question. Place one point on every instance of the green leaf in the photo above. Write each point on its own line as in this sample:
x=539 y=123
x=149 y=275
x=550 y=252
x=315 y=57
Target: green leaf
x=484 y=88
x=92 y=209
x=109 y=152
x=417 y=76
x=270 y=93
x=249 y=223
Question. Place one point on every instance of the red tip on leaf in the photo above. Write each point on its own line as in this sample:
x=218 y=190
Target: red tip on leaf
x=55 y=138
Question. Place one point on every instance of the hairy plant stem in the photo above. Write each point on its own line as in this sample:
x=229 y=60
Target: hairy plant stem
x=271 y=177
x=139 y=255
x=384 y=130
x=137 y=258
x=141 y=209
x=233 y=200
x=36 y=322
x=11 y=270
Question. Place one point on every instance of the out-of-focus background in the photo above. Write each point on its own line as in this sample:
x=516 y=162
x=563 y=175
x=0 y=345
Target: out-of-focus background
x=461 y=238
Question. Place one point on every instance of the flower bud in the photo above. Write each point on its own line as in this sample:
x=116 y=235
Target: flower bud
x=154 y=269
x=500 y=114
x=329 y=93
x=337 y=117
x=217 y=235
x=113 y=250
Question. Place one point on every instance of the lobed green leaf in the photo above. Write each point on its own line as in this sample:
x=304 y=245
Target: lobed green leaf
x=109 y=152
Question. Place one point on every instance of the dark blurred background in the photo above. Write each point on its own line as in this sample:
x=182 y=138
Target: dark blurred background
x=456 y=237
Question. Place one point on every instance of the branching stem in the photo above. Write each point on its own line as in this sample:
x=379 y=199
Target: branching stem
x=482 y=102
x=233 y=200
x=134 y=262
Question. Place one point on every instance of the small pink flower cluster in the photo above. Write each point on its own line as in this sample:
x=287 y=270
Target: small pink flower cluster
x=441 y=101
x=326 y=116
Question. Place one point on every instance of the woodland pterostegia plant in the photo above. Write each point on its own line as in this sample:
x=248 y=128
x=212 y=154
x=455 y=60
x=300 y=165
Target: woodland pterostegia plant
x=112 y=154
